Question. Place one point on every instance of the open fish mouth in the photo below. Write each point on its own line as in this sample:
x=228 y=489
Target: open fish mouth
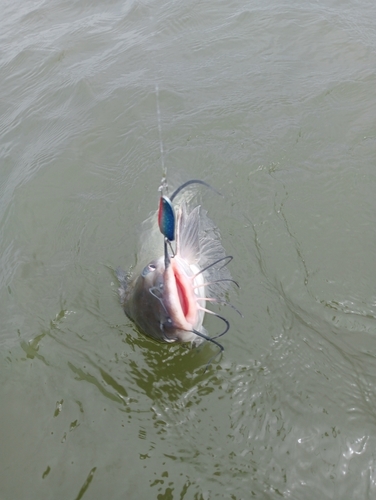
x=167 y=299
x=184 y=285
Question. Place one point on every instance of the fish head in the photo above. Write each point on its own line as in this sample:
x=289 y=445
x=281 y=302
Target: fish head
x=163 y=300
x=142 y=299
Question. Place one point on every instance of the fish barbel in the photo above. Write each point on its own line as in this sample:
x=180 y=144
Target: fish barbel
x=167 y=299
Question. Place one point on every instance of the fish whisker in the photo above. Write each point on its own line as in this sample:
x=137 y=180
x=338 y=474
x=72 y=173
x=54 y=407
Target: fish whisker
x=188 y=183
x=220 y=317
x=152 y=292
x=221 y=302
x=217 y=281
x=209 y=339
x=228 y=258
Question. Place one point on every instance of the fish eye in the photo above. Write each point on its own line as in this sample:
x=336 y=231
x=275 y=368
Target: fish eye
x=148 y=269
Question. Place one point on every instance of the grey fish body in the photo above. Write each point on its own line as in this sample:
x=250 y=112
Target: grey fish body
x=167 y=303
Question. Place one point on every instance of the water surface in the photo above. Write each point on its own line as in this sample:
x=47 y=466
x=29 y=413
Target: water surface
x=275 y=106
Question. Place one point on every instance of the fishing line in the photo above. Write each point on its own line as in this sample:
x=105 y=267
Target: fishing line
x=164 y=185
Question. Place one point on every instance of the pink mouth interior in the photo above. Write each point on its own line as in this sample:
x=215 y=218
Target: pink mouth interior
x=184 y=301
x=186 y=294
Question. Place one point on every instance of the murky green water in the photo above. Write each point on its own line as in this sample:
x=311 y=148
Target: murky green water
x=275 y=105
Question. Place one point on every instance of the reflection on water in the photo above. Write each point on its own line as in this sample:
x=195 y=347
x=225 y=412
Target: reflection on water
x=275 y=106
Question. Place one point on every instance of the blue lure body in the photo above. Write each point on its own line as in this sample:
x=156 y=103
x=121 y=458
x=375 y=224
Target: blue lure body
x=166 y=218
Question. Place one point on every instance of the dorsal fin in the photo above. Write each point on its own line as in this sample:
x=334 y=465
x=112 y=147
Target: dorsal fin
x=188 y=234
